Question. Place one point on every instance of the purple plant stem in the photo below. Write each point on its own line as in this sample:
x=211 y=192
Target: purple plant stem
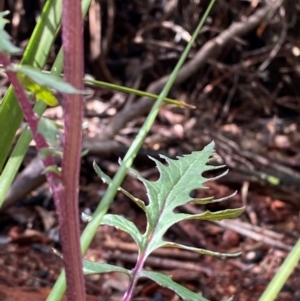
x=138 y=267
x=52 y=178
x=72 y=38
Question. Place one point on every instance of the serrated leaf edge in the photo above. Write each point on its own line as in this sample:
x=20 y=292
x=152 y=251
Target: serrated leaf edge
x=107 y=180
x=169 y=244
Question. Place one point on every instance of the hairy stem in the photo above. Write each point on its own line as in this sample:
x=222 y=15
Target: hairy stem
x=73 y=107
x=72 y=38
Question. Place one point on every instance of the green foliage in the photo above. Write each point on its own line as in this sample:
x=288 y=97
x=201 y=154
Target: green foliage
x=36 y=54
x=49 y=129
x=177 y=180
x=40 y=83
x=166 y=281
x=40 y=92
x=90 y=267
x=282 y=275
x=52 y=168
x=11 y=116
x=46 y=79
x=6 y=45
x=92 y=227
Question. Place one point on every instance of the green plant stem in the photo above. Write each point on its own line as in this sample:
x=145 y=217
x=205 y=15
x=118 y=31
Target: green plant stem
x=92 y=227
x=282 y=274
x=68 y=212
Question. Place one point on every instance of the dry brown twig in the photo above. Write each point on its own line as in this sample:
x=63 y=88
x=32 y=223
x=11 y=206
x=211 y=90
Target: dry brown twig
x=211 y=49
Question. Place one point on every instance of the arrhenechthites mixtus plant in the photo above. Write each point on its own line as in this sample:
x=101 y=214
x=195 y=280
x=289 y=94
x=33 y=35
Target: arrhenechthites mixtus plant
x=177 y=180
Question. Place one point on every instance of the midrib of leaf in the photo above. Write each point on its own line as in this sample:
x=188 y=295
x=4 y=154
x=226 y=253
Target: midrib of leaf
x=165 y=208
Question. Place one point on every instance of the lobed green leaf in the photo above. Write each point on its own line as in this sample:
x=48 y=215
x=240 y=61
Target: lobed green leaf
x=177 y=179
x=125 y=225
x=5 y=41
x=121 y=223
x=106 y=179
x=90 y=267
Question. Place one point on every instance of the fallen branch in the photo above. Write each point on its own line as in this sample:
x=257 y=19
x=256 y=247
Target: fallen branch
x=210 y=50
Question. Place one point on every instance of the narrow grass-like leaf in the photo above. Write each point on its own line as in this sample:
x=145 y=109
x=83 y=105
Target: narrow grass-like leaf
x=36 y=53
x=13 y=164
x=166 y=281
x=96 y=83
x=282 y=275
